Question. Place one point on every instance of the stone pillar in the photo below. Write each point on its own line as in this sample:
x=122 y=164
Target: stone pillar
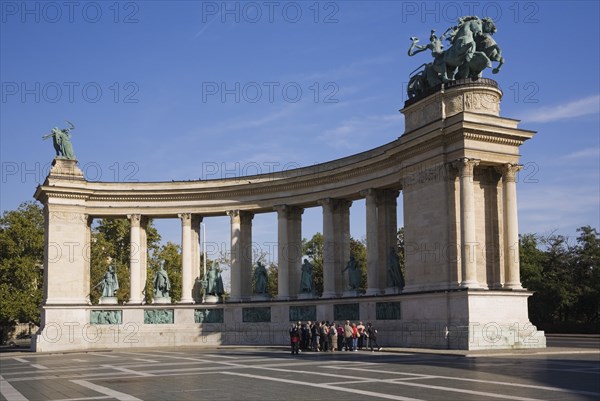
x=511 y=227
x=135 y=260
x=186 y=259
x=391 y=233
x=283 y=237
x=329 y=273
x=342 y=244
x=372 y=242
x=236 y=267
x=467 y=223
x=294 y=252
x=143 y=254
x=196 y=259
x=246 y=254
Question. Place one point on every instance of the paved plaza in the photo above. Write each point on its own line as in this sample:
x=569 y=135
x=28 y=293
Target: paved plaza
x=271 y=373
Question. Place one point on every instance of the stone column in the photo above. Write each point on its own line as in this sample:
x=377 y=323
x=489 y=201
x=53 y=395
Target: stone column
x=186 y=259
x=467 y=219
x=236 y=269
x=386 y=229
x=246 y=254
x=283 y=272
x=294 y=252
x=196 y=260
x=143 y=254
x=342 y=244
x=135 y=261
x=391 y=232
x=511 y=227
x=372 y=242
x=329 y=276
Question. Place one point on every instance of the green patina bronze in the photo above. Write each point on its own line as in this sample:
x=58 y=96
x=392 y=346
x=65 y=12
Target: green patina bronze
x=472 y=50
x=61 y=140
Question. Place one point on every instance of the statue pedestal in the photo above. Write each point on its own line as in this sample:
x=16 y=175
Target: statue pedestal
x=161 y=300
x=65 y=169
x=260 y=297
x=108 y=301
x=212 y=299
x=306 y=295
x=350 y=293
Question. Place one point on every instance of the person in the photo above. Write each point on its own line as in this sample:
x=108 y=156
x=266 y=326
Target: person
x=260 y=279
x=361 y=335
x=333 y=337
x=340 y=337
x=306 y=279
x=372 y=334
x=110 y=283
x=161 y=282
x=353 y=273
x=295 y=338
x=348 y=336
x=354 y=337
x=214 y=281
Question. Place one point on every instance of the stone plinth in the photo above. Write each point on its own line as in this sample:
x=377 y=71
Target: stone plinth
x=108 y=301
x=161 y=300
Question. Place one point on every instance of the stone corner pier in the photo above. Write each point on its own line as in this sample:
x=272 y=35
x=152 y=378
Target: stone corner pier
x=455 y=167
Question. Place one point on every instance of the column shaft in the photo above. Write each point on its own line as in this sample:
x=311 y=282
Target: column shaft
x=372 y=243
x=143 y=254
x=469 y=239
x=186 y=258
x=236 y=270
x=283 y=261
x=329 y=276
x=511 y=227
x=246 y=254
x=135 y=291
x=294 y=252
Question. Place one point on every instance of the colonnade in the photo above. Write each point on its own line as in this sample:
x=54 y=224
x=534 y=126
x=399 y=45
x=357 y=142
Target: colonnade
x=381 y=232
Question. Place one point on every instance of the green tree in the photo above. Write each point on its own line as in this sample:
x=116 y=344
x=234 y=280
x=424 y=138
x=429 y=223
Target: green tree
x=359 y=250
x=313 y=249
x=586 y=261
x=273 y=277
x=111 y=246
x=21 y=265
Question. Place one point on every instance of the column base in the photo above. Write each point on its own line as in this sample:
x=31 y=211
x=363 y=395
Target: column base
x=350 y=293
x=283 y=298
x=306 y=295
x=512 y=286
x=329 y=294
x=135 y=302
x=260 y=297
x=470 y=284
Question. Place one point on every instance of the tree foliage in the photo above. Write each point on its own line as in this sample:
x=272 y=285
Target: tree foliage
x=313 y=249
x=565 y=278
x=21 y=265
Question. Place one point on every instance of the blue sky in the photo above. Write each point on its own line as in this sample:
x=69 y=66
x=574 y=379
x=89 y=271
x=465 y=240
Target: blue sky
x=183 y=90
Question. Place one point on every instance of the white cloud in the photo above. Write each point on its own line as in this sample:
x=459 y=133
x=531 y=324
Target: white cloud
x=583 y=154
x=577 y=108
x=350 y=132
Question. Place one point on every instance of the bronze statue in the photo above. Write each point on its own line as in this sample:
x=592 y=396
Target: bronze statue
x=61 y=140
x=472 y=50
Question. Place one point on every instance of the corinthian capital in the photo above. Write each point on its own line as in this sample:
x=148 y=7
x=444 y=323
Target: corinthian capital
x=509 y=171
x=465 y=166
